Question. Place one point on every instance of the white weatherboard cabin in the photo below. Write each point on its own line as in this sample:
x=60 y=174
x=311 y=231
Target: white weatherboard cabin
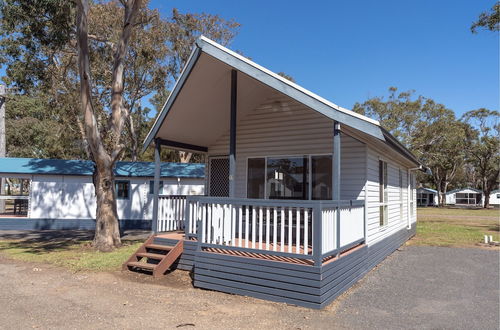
x=465 y=197
x=427 y=197
x=303 y=197
x=59 y=194
x=495 y=198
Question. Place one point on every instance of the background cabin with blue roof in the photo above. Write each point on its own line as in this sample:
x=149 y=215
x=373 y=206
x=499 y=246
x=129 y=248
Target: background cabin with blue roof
x=59 y=194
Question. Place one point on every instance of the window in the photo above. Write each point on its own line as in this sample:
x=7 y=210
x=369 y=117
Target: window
x=321 y=177
x=467 y=198
x=152 y=187
x=383 y=192
x=498 y=195
x=122 y=189
x=287 y=178
x=295 y=177
x=256 y=177
x=401 y=195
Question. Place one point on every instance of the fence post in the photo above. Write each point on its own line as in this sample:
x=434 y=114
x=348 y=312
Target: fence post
x=317 y=234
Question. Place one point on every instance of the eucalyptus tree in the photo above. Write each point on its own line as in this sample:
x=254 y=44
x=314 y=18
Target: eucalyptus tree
x=95 y=70
x=488 y=20
x=483 y=151
x=427 y=128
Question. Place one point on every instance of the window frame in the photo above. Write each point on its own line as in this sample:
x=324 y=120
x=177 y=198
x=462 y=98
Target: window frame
x=309 y=170
x=151 y=187
x=117 y=182
x=383 y=193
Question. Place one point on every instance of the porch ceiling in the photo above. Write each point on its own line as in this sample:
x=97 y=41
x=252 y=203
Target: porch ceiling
x=200 y=113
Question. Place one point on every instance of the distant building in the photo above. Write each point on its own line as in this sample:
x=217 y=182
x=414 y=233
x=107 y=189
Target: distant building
x=427 y=197
x=59 y=194
x=465 y=197
x=495 y=198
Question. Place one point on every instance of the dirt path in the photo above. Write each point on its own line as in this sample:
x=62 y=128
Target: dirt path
x=416 y=287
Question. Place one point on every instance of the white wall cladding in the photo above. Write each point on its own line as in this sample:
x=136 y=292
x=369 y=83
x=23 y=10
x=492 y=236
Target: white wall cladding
x=283 y=127
x=395 y=222
x=72 y=197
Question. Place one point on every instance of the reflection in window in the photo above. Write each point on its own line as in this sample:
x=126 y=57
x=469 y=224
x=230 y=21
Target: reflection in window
x=321 y=177
x=122 y=189
x=256 y=179
x=287 y=178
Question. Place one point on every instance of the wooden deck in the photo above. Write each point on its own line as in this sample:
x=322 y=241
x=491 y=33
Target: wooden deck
x=180 y=235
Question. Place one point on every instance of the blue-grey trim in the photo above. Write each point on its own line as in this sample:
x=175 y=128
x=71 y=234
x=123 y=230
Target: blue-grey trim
x=66 y=224
x=156 y=187
x=336 y=164
x=171 y=98
x=232 y=133
x=180 y=145
x=302 y=285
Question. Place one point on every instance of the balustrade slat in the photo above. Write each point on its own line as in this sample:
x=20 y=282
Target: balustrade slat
x=261 y=218
x=267 y=227
x=306 y=231
x=282 y=245
x=290 y=225
x=247 y=220
x=254 y=224
x=240 y=225
x=297 y=232
x=275 y=228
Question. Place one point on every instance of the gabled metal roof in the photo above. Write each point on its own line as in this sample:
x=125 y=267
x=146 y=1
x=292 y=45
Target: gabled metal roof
x=278 y=83
x=460 y=189
x=86 y=168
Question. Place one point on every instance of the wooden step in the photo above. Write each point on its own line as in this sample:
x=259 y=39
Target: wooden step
x=151 y=255
x=159 y=247
x=141 y=265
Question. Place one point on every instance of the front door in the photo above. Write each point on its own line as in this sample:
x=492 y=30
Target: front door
x=218 y=176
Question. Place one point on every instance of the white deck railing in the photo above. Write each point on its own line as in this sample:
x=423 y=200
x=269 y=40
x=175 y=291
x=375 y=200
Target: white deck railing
x=294 y=228
x=171 y=212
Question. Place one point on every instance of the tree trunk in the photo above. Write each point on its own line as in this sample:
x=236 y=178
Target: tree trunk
x=107 y=231
x=184 y=156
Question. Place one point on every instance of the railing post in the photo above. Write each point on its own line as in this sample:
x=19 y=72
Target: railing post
x=187 y=217
x=317 y=234
x=156 y=187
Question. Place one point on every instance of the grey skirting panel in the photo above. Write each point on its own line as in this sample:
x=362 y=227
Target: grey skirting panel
x=307 y=286
x=186 y=261
x=68 y=224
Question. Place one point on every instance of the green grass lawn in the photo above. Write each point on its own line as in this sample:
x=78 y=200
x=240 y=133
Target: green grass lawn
x=456 y=227
x=76 y=256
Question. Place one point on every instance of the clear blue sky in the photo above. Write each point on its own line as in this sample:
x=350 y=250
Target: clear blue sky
x=348 y=51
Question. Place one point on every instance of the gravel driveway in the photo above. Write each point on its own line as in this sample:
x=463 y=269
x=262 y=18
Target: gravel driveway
x=416 y=287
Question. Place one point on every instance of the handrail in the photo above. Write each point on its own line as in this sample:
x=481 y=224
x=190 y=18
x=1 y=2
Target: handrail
x=299 y=228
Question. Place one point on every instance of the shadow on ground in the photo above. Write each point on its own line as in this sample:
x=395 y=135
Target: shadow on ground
x=41 y=241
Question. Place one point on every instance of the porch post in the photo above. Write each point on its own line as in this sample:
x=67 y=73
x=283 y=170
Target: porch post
x=336 y=177
x=232 y=133
x=156 y=187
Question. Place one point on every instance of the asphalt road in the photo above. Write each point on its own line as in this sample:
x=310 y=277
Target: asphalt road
x=414 y=288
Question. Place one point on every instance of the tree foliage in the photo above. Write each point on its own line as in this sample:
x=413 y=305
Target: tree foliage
x=455 y=150
x=488 y=20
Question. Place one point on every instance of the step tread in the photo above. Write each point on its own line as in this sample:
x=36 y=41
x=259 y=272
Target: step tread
x=151 y=255
x=141 y=265
x=159 y=247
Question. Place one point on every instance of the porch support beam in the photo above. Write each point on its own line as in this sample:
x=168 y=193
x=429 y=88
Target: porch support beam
x=336 y=162
x=156 y=187
x=336 y=177
x=181 y=145
x=232 y=133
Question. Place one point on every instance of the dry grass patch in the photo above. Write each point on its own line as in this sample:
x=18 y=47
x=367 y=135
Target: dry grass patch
x=76 y=256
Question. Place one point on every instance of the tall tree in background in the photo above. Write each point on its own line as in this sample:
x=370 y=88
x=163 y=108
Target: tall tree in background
x=92 y=75
x=483 y=151
x=489 y=21
x=427 y=128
